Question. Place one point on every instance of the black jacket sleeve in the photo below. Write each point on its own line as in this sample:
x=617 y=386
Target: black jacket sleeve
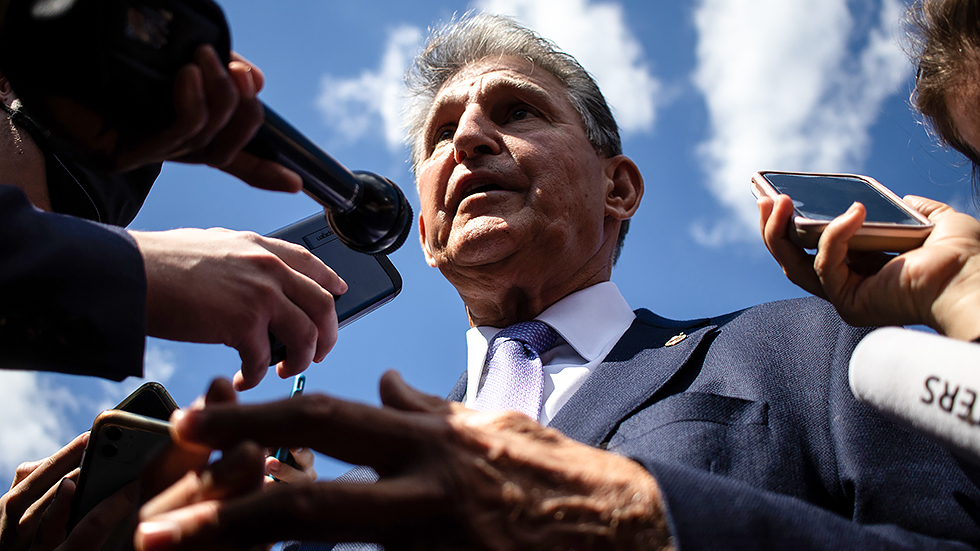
x=72 y=293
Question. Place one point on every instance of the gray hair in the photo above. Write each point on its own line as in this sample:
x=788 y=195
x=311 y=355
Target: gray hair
x=476 y=37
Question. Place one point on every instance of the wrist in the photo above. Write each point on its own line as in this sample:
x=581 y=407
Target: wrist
x=956 y=313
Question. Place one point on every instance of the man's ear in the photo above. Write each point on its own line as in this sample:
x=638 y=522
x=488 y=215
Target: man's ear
x=429 y=259
x=625 y=187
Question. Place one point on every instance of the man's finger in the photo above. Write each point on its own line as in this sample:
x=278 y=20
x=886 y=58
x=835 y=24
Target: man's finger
x=396 y=393
x=356 y=433
x=316 y=512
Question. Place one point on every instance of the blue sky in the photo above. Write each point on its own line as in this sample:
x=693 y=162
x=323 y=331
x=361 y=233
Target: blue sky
x=707 y=92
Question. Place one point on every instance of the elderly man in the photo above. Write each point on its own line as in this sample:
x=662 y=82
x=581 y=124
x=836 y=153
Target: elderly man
x=736 y=431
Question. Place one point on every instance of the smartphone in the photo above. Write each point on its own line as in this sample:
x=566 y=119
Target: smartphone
x=891 y=225
x=372 y=280
x=151 y=400
x=119 y=446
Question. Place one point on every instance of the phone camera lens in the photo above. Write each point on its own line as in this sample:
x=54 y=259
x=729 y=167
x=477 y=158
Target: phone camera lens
x=109 y=450
x=113 y=433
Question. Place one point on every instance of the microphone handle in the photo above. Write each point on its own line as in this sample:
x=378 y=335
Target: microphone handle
x=279 y=141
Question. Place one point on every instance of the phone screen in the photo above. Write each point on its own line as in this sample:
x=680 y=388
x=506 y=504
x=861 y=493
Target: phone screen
x=820 y=197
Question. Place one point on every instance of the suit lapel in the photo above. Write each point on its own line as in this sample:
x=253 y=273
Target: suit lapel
x=646 y=357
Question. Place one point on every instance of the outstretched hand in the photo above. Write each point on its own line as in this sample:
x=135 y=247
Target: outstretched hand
x=220 y=286
x=937 y=284
x=449 y=477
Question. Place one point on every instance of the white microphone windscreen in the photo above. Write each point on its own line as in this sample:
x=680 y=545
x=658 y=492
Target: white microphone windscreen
x=926 y=381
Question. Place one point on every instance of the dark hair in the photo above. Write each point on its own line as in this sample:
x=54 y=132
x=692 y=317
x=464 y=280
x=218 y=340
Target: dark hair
x=476 y=37
x=944 y=37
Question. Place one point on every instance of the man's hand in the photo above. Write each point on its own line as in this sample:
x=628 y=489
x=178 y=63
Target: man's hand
x=450 y=478
x=937 y=284
x=34 y=513
x=220 y=286
x=33 y=489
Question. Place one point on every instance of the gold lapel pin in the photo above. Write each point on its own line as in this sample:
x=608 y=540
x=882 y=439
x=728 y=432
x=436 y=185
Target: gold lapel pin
x=676 y=339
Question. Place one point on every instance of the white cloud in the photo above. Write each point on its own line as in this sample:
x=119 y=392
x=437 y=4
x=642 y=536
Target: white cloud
x=33 y=416
x=39 y=412
x=785 y=91
x=596 y=34
x=598 y=37
x=373 y=101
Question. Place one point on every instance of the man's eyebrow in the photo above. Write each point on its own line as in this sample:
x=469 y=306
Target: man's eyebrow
x=499 y=84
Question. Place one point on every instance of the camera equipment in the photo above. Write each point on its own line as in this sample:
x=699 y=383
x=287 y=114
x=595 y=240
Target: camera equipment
x=119 y=59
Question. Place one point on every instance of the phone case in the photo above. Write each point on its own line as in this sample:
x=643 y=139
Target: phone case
x=872 y=236
x=119 y=446
x=372 y=280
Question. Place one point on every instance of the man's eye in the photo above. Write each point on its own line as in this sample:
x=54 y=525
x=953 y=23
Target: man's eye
x=520 y=113
x=443 y=134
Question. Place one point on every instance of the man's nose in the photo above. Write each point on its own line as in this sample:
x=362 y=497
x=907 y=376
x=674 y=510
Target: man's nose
x=475 y=135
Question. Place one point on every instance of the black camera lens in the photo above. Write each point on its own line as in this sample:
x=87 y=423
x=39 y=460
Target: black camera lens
x=113 y=433
x=109 y=450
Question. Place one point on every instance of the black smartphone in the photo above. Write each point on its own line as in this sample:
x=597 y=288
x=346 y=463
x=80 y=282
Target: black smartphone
x=119 y=446
x=372 y=280
x=151 y=399
x=891 y=225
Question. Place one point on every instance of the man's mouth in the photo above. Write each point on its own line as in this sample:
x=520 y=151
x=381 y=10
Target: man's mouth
x=483 y=188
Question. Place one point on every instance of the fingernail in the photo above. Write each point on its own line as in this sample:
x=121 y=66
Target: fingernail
x=159 y=535
x=273 y=466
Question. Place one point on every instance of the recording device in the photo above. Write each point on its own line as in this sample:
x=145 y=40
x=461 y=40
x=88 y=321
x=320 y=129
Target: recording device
x=119 y=59
x=924 y=381
x=119 y=446
x=121 y=442
x=372 y=280
x=891 y=225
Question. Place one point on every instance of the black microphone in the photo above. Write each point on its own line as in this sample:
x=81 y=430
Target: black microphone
x=368 y=212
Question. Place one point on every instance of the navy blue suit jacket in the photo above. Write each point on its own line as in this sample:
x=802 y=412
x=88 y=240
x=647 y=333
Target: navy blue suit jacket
x=72 y=293
x=749 y=426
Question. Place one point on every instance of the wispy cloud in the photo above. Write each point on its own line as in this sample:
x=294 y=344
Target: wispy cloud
x=33 y=418
x=792 y=86
x=372 y=102
x=40 y=412
x=596 y=34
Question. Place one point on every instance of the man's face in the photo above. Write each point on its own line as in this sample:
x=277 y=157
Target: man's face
x=508 y=178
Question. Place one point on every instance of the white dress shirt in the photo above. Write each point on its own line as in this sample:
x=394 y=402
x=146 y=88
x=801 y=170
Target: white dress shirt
x=588 y=322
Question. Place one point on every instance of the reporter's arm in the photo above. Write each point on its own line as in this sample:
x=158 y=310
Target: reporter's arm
x=74 y=293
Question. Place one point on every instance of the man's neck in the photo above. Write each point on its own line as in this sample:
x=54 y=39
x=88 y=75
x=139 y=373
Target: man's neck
x=504 y=307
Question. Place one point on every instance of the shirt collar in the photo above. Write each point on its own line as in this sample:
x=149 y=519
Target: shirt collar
x=585 y=320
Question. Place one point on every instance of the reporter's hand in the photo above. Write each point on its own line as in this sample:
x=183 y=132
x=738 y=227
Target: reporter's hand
x=937 y=284
x=95 y=529
x=450 y=477
x=33 y=489
x=218 y=113
x=278 y=472
x=220 y=286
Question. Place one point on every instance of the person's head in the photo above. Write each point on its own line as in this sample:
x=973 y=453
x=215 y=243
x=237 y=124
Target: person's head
x=945 y=41
x=517 y=159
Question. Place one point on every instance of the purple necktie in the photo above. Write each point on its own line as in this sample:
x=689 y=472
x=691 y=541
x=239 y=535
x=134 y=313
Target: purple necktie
x=515 y=381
